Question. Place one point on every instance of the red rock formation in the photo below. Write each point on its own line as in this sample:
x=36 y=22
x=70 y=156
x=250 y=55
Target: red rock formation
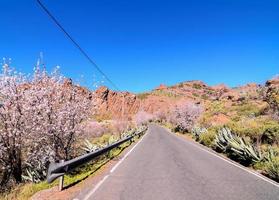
x=124 y=104
x=161 y=87
x=116 y=104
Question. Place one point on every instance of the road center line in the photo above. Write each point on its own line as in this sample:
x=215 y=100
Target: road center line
x=113 y=169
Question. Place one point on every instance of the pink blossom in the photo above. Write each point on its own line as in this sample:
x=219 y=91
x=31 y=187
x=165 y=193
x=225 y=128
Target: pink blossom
x=143 y=117
x=185 y=115
x=41 y=117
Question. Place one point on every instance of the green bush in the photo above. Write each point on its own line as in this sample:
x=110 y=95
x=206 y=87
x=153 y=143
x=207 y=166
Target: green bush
x=204 y=97
x=142 y=95
x=249 y=109
x=272 y=168
x=217 y=107
x=271 y=133
x=260 y=130
x=211 y=110
x=207 y=138
x=180 y=85
x=197 y=86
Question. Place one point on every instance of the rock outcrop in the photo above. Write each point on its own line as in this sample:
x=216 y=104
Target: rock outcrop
x=271 y=94
x=114 y=104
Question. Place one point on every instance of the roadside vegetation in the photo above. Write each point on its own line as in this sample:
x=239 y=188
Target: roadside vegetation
x=246 y=130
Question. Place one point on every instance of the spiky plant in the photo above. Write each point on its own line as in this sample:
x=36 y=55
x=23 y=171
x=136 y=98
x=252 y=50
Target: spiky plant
x=223 y=138
x=237 y=147
x=34 y=175
x=89 y=147
x=112 y=139
x=128 y=133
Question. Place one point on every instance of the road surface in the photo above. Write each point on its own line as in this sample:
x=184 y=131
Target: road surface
x=164 y=166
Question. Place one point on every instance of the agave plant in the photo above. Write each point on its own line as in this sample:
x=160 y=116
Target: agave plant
x=128 y=133
x=237 y=147
x=34 y=174
x=112 y=139
x=142 y=128
x=223 y=138
x=89 y=147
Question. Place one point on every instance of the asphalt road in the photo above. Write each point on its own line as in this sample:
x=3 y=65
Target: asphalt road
x=166 y=167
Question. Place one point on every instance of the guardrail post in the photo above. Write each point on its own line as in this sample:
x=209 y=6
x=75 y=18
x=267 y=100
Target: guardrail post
x=61 y=180
x=56 y=170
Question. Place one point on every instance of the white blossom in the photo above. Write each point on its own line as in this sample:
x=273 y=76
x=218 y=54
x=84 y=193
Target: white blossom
x=40 y=119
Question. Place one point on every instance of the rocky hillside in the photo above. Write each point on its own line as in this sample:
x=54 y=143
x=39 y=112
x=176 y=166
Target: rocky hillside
x=111 y=104
x=262 y=98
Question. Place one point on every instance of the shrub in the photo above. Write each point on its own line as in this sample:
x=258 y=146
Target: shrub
x=197 y=86
x=94 y=129
x=142 y=95
x=271 y=95
x=185 y=115
x=271 y=133
x=249 y=109
x=272 y=168
x=211 y=110
x=142 y=118
x=160 y=116
x=217 y=107
x=208 y=137
x=204 y=97
x=260 y=129
x=198 y=131
x=118 y=127
x=181 y=85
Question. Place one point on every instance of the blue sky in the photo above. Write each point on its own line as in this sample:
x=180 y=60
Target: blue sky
x=142 y=43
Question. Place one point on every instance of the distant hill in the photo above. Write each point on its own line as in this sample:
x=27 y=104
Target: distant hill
x=162 y=98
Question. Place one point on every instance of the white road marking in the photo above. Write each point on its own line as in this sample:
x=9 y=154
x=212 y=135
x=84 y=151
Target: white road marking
x=204 y=148
x=113 y=169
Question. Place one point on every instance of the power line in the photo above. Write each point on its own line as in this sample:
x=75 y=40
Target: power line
x=75 y=43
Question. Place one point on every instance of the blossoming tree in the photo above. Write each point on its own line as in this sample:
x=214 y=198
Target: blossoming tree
x=185 y=115
x=40 y=119
x=143 y=117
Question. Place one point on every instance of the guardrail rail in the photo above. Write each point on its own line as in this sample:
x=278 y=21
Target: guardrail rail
x=58 y=169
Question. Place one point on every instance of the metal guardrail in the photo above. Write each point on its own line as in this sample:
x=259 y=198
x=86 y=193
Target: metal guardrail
x=56 y=170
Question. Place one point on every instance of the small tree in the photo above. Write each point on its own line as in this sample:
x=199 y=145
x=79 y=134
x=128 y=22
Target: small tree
x=160 y=115
x=94 y=129
x=118 y=127
x=185 y=115
x=142 y=118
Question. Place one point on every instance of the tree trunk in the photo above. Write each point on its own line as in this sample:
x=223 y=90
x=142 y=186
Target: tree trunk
x=17 y=167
